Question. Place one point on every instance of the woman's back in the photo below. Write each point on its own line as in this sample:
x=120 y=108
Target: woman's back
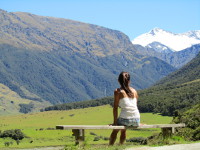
x=128 y=106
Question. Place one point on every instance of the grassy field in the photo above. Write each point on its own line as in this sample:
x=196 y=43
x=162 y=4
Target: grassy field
x=38 y=126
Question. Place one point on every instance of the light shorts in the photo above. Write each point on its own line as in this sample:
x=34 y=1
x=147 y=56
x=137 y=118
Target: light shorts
x=128 y=122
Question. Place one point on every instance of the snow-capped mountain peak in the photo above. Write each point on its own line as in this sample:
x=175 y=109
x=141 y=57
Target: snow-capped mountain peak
x=175 y=42
x=156 y=30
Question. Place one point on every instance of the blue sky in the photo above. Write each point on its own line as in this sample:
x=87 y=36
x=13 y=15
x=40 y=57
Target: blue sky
x=133 y=17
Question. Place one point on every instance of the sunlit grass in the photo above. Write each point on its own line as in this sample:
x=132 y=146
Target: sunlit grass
x=35 y=126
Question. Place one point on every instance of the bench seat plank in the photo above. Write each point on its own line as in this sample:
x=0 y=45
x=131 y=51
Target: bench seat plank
x=65 y=127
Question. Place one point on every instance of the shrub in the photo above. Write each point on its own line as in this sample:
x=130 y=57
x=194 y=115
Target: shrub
x=97 y=138
x=192 y=122
x=139 y=140
x=15 y=134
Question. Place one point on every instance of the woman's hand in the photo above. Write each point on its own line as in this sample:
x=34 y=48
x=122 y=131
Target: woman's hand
x=113 y=124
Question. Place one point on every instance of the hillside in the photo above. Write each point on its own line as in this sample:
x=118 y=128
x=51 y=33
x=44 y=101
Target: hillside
x=187 y=73
x=178 y=91
x=175 y=93
x=29 y=31
x=176 y=59
x=12 y=103
x=61 y=60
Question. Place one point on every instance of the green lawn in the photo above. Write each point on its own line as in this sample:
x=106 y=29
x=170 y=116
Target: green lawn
x=35 y=126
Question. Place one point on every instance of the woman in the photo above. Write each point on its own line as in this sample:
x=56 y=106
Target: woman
x=126 y=98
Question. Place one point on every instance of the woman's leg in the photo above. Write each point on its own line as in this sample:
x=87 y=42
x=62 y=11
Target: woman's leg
x=123 y=136
x=113 y=137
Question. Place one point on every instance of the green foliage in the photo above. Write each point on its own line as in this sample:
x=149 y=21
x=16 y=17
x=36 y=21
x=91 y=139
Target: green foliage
x=191 y=118
x=138 y=140
x=8 y=143
x=80 y=105
x=177 y=92
x=167 y=100
x=15 y=134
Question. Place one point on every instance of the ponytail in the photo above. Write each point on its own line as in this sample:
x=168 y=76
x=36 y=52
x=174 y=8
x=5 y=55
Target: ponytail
x=124 y=80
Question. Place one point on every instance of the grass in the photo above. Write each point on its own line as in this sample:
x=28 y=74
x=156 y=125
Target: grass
x=38 y=126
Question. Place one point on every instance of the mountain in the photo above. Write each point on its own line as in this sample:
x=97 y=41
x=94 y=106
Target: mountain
x=164 y=40
x=175 y=49
x=176 y=59
x=59 y=60
x=188 y=73
x=178 y=91
x=28 y=31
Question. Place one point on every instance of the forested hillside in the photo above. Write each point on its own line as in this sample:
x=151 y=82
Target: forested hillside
x=178 y=91
x=172 y=95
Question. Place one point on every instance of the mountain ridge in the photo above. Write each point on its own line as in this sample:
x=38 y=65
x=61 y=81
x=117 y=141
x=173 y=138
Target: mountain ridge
x=176 y=59
x=176 y=42
x=49 y=33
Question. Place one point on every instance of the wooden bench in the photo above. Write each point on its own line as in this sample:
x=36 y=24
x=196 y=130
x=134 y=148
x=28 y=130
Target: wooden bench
x=79 y=130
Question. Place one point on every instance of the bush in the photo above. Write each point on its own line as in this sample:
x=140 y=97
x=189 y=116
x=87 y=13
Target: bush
x=106 y=138
x=140 y=140
x=8 y=143
x=192 y=122
x=97 y=138
x=15 y=134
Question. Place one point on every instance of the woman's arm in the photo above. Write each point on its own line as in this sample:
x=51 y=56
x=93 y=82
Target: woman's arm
x=115 y=108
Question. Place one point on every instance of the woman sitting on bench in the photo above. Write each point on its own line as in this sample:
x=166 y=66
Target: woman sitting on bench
x=125 y=97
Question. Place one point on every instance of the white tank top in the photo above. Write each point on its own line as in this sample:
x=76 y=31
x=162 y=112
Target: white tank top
x=129 y=108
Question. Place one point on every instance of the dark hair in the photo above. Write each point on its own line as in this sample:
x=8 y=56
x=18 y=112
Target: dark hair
x=124 y=81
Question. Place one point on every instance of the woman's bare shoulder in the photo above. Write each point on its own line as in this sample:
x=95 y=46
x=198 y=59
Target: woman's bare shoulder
x=119 y=91
x=133 y=90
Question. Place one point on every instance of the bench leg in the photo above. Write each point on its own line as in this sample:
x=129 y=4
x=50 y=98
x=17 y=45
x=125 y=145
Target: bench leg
x=167 y=132
x=79 y=135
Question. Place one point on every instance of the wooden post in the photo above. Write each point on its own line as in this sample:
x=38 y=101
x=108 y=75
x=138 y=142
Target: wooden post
x=167 y=132
x=79 y=135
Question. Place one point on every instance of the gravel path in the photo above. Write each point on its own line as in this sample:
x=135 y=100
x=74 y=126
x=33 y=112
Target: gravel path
x=193 y=146
x=41 y=148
